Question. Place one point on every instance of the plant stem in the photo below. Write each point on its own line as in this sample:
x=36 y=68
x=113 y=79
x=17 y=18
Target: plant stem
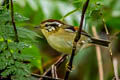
x=13 y=22
x=77 y=38
x=99 y=57
x=69 y=13
x=110 y=49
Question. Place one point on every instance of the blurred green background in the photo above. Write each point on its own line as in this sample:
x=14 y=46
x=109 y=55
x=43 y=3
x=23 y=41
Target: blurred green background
x=85 y=62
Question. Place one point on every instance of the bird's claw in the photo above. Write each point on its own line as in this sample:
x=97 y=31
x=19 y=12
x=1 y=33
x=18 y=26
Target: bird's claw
x=69 y=68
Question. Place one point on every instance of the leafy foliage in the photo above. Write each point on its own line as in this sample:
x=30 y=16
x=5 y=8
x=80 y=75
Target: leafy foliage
x=12 y=61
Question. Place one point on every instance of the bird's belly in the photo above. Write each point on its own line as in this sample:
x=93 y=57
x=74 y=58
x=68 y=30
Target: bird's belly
x=60 y=44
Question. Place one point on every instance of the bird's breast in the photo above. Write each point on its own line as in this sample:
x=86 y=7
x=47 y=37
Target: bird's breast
x=63 y=42
x=60 y=44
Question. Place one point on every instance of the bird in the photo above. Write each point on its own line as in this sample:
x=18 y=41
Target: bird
x=60 y=36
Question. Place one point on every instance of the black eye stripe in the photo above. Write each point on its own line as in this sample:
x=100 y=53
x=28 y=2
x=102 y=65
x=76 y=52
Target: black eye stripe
x=46 y=25
x=53 y=25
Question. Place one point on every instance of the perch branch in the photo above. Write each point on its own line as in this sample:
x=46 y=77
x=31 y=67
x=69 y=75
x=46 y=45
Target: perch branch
x=54 y=72
x=77 y=37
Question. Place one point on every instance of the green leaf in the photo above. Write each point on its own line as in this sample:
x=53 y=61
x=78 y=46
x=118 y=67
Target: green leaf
x=8 y=71
x=3 y=65
x=19 y=18
x=22 y=57
x=34 y=51
x=2 y=45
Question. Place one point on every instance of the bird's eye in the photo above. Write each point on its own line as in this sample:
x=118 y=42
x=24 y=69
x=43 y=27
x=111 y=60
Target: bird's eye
x=52 y=26
x=46 y=25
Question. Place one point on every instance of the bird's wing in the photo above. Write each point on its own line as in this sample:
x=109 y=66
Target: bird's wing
x=74 y=29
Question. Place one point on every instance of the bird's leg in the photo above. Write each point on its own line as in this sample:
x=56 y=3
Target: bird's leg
x=68 y=67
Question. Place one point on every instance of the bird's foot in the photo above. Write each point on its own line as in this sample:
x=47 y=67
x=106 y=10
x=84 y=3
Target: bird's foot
x=69 y=68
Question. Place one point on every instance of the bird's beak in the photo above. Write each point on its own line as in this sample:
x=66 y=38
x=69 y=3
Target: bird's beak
x=37 y=27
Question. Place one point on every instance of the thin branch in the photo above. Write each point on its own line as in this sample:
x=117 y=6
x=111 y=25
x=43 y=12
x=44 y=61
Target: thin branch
x=99 y=58
x=44 y=77
x=13 y=22
x=77 y=38
x=110 y=49
x=105 y=26
x=57 y=64
x=54 y=72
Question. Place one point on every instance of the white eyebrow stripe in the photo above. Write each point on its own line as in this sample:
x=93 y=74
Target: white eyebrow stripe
x=69 y=30
x=59 y=24
x=56 y=22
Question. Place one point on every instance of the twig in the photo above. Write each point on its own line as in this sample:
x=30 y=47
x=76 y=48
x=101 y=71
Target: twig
x=105 y=26
x=54 y=72
x=57 y=64
x=44 y=77
x=13 y=22
x=110 y=50
x=77 y=38
x=99 y=58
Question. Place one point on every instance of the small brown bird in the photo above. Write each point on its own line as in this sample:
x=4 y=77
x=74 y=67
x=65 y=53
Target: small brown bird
x=60 y=36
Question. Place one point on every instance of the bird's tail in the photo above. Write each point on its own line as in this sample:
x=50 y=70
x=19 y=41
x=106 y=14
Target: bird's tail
x=100 y=42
